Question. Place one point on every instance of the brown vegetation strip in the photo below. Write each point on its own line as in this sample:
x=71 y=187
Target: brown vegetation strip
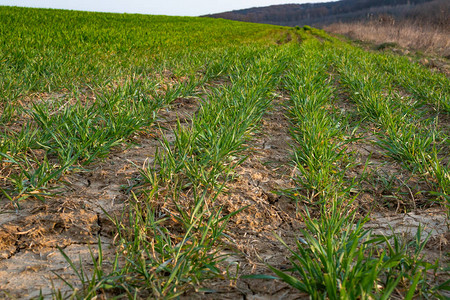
x=406 y=34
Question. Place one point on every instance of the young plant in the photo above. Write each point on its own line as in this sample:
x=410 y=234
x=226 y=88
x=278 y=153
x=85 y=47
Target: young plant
x=336 y=258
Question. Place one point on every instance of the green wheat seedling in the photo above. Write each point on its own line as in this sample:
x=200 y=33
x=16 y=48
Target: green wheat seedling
x=19 y=142
x=337 y=258
x=177 y=163
x=201 y=157
x=319 y=148
x=177 y=90
x=419 y=151
x=211 y=147
x=31 y=178
x=122 y=71
x=426 y=86
x=96 y=81
x=92 y=285
x=10 y=92
x=429 y=87
x=82 y=133
x=155 y=259
x=167 y=264
x=58 y=56
x=404 y=134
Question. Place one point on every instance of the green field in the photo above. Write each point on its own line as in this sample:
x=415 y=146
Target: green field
x=176 y=157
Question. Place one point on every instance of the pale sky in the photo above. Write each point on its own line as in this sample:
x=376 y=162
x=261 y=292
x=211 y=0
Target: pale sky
x=153 y=7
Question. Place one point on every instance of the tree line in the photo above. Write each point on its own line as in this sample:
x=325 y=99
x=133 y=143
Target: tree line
x=434 y=12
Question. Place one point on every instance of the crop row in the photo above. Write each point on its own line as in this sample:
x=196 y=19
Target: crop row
x=172 y=247
x=51 y=50
x=64 y=136
x=335 y=257
x=188 y=173
x=171 y=237
x=405 y=134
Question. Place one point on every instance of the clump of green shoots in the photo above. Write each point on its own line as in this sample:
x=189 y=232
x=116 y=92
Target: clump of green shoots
x=211 y=146
x=165 y=262
x=416 y=143
x=171 y=248
x=336 y=258
x=319 y=148
x=80 y=133
x=161 y=253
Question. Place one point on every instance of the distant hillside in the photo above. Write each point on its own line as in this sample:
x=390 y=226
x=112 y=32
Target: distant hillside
x=321 y=14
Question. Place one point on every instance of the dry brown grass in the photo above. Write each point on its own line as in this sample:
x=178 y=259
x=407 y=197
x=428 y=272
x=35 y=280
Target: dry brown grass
x=407 y=34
